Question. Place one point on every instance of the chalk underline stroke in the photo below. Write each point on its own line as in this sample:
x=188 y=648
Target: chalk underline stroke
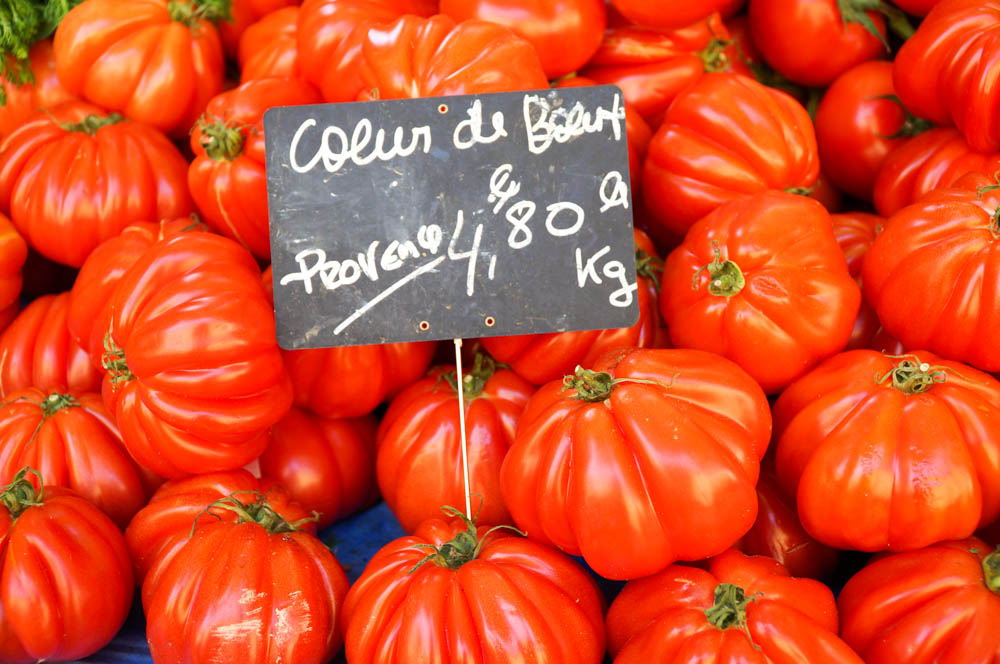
x=387 y=292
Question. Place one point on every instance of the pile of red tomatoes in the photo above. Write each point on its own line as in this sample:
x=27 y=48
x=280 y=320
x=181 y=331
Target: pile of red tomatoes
x=816 y=187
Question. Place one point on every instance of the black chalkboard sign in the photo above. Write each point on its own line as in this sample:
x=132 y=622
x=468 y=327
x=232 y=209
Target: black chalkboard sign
x=450 y=217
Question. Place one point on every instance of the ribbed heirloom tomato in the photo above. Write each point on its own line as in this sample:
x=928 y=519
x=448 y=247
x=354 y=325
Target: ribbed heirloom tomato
x=726 y=137
x=741 y=609
x=419 y=462
x=673 y=13
x=13 y=252
x=65 y=577
x=887 y=452
x=242 y=14
x=155 y=61
x=113 y=172
x=194 y=374
x=763 y=282
x=452 y=592
x=227 y=178
x=269 y=47
x=627 y=462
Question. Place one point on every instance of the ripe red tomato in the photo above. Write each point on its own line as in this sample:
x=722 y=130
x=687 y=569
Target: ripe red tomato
x=934 y=159
x=565 y=33
x=741 y=609
x=326 y=465
x=653 y=66
x=71 y=440
x=938 y=604
x=545 y=357
x=811 y=42
x=419 y=458
x=269 y=47
x=254 y=589
x=763 y=282
x=946 y=71
x=350 y=381
x=415 y=57
x=887 y=452
x=625 y=463
x=132 y=172
x=726 y=137
x=227 y=177
x=949 y=236
x=162 y=527
x=243 y=13
x=673 y=13
x=194 y=374
x=779 y=534
x=824 y=192
x=65 y=578
x=451 y=589
x=330 y=33
x=37 y=351
x=13 y=252
x=23 y=101
x=858 y=123
x=155 y=61
x=916 y=7
x=103 y=269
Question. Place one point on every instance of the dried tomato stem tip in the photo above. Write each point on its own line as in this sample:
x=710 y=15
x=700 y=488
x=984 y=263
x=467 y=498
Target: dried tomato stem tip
x=221 y=141
x=20 y=494
x=474 y=381
x=991 y=570
x=725 y=277
x=113 y=361
x=192 y=12
x=730 y=609
x=90 y=124
x=596 y=386
x=912 y=376
x=463 y=548
x=55 y=402
x=649 y=267
x=713 y=57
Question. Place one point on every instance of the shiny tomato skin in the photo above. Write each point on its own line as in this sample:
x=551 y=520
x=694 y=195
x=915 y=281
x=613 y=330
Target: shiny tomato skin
x=934 y=159
x=631 y=483
x=853 y=126
x=808 y=41
x=245 y=13
x=653 y=66
x=798 y=303
x=72 y=441
x=947 y=71
x=269 y=47
x=855 y=232
x=663 y=618
x=916 y=7
x=25 y=100
x=161 y=528
x=565 y=33
x=65 y=580
x=726 y=137
x=517 y=601
x=419 y=458
x=164 y=71
x=13 y=252
x=132 y=173
x=103 y=269
x=434 y=57
x=926 y=606
x=673 y=13
x=195 y=376
x=227 y=177
x=330 y=33
x=326 y=465
x=279 y=593
x=951 y=236
x=874 y=467
x=36 y=350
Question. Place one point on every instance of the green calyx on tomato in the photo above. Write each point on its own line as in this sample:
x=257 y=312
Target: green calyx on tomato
x=90 y=124
x=713 y=57
x=22 y=23
x=192 y=12
x=474 y=381
x=462 y=548
x=911 y=376
x=730 y=609
x=912 y=125
x=855 y=11
x=221 y=141
x=725 y=277
x=995 y=217
x=596 y=386
x=20 y=494
x=258 y=511
x=649 y=267
x=113 y=361
x=55 y=402
x=991 y=571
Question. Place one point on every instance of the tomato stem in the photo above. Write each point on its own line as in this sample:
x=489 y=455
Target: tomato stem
x=193 y=12
x=90 y=124
x=462 y=548
x=113 y=361
x=473 y=381
x=258 y=511
x=221 y=141
x=725 y=277
x=856 y=11
x=55 y=402
x=713 y=57
x=995 y=217
x=730 y=609
x=913 y=376
x=20 y=494
x=649 y=267
x=991 y=571
x=596 y=386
